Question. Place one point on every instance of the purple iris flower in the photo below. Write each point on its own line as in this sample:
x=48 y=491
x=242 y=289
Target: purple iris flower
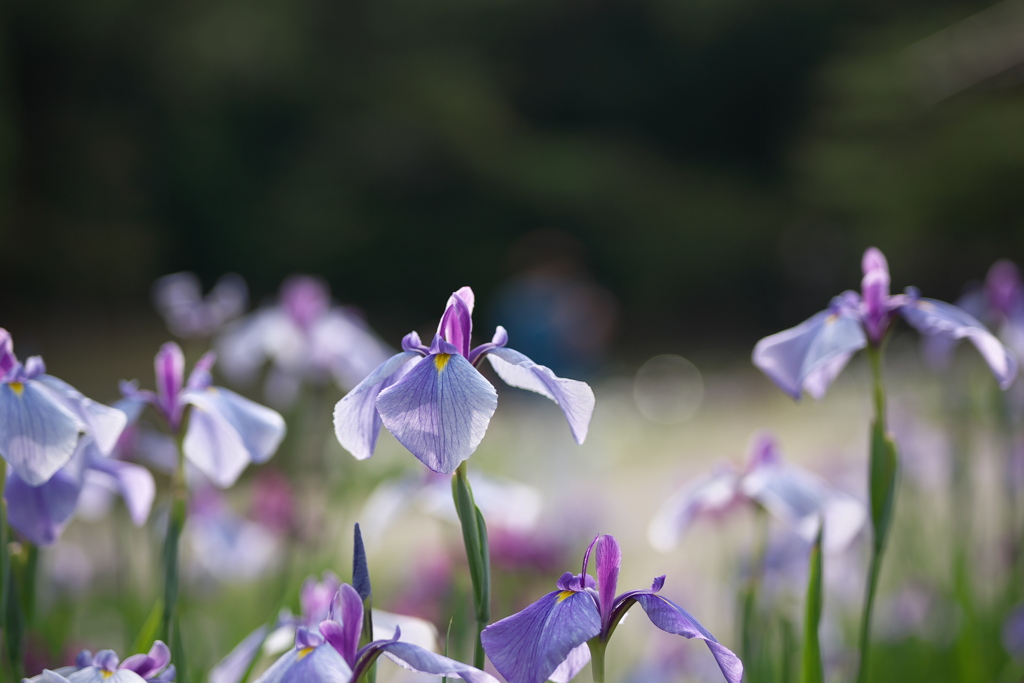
x=39 y=513
x=106 y=667
x=331 y=653
x=791 y=494
x=179 y=299
x=225 y=431
x=809 y=356
x=435 y=401
x=42 y=417
x=305 y=338
x=549 y=639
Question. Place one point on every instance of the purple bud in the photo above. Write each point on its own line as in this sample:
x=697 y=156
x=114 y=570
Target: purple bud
x=875 y=290
x=1003 y=288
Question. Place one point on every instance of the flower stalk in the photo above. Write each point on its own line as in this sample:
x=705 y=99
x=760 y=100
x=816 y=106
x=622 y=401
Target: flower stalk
x=175 y=524
x=474 y=537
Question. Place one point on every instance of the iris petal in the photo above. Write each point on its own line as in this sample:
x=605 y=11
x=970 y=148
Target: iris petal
x=37 y=433
x=415 y=658
x=214 y=446
x=575 y=398
x=439 y=410
x=356 y=421
x=939 y=319
x=40 y=512
x=104 y=423
x=810 y=355
x=260 y=428
x=322 y=664
x=529 y=646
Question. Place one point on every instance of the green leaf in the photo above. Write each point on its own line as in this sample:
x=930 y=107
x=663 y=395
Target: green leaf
x=811 y=670
x=150 y=629
x=883 y=473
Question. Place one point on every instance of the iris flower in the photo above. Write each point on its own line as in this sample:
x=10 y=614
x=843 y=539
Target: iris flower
x=551 y=638
x=306 y=339
x=42 y=417
x=225 y=431
x=793 y=495
x=40 y=512
x=106 y=667
x=180 y=301
x=435 y=401
x=809 y=356
x=331 y=652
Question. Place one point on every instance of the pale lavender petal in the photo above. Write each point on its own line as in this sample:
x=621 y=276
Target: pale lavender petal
x=37 y=433
x=711 y=494
x=575 y=398
x=201 y=376
x=940 y=319
x=573 y=664
x=456 y=326
x=609 y=559
x=148 y=665
x=356 y=421
x=49 y=676
x=214 y=446
x=317 y=597
x=95 y=675
x=133 y=482
x=40 y=512
x=242 y=346
x=232 y=668
x=320 y=664
x=439 y=410
x=342 y=342
x=762 y=452
x=528 y=646
x=812 y=352
x=260 y=428
x=305 y=298
x=417 y=659
x=672 y=618
x=103 y=423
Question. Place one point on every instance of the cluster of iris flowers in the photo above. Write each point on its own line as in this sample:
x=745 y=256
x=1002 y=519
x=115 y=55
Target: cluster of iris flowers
x=64 y=451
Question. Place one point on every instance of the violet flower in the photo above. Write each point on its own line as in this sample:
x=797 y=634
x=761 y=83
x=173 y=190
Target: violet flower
x=554 y=637
x=225 y=431
x=106 y=667
x=331 y=653
x=306 y=340
x=809 y=356
x=435 y=401
x=42 y=417
x=39 y=513
x=179 y=300
x=795 y=496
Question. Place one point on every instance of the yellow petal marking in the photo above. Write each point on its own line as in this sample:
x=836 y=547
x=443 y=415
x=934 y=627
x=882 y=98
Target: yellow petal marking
x=17 y=387
x=441 y=361
x=565 y=594
x=303 y=652
x=106 y=674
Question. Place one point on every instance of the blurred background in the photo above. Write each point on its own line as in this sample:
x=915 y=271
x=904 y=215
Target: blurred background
x=716 y=168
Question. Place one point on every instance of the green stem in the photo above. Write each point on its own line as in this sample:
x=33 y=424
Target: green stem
x=865 y=623
x=597 y=648
x=749 y=626
x=175 y=525
x=474 y=537
x=878 y=386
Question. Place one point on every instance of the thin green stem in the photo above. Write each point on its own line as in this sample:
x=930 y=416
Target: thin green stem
x=865 y=622
x=474 y=537
x=878 y=386
x=749 y=626
x=175 y=525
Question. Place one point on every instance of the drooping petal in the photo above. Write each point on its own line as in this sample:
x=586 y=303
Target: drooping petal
x=232 y=668
x=97 y=675
x=260 y=428
x=940 y=319
x=440 y=409
x=40 y=512
x=810 y=355
x=609 y=559
x=573 y=664
x=456 y=326
x=343 y=343
x=670 y=617
x=322 y=664
x=801 y=499
x=417 y=659
x=148 y=665
x=528 y=646
x=37 y=433
x=356 y=421
x=103 y=423
x=133 y=482
x=712 y=493
x=575 y=398
x=214 y=446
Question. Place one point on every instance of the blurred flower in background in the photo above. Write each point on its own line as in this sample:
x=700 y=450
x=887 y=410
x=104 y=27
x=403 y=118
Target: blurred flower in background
x=179 y=300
